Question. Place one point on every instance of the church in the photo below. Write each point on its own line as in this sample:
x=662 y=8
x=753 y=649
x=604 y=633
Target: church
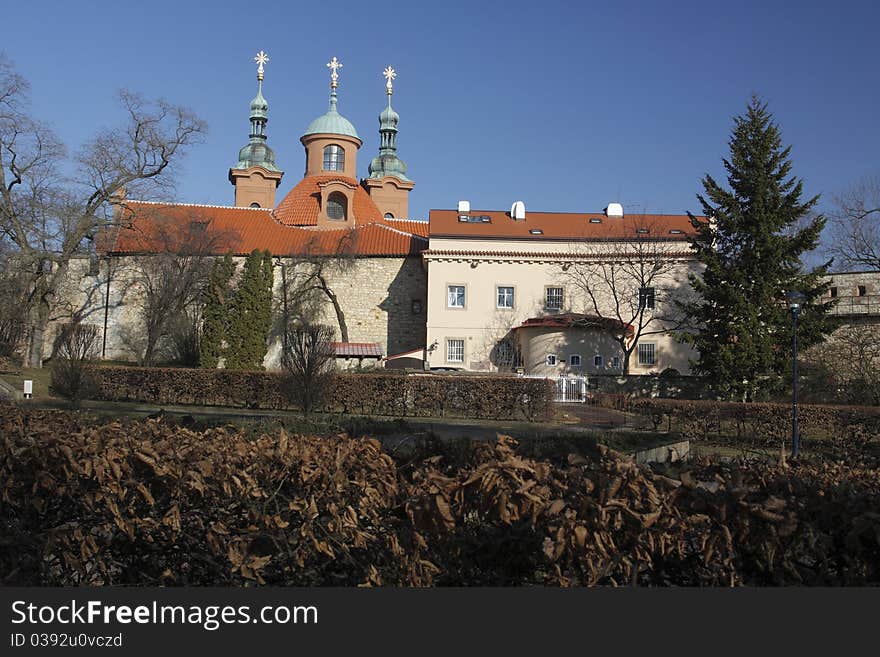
x=471 y=290
x=352 y=237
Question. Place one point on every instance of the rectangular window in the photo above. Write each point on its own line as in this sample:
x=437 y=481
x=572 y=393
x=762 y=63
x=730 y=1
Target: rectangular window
x=597 y=360
x=455 y=351
x=646 y=297
x=505 y=297
x=455 y=296
x=646 y=353
x=553 y=298
x=551 y=359
x=862 y=290
x=833 y=292
x=615 y=362
x=574 y=360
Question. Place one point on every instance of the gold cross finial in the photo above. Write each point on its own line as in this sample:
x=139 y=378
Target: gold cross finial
x=334 y=65
x=389 y=74
x=261 y=59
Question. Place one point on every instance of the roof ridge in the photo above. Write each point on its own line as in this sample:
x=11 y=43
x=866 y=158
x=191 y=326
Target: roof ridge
x=395 y=230
x=195 y=205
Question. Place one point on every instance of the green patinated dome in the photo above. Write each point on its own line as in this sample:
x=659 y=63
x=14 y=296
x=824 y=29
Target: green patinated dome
x=332 y=122
x=386 y=163
x=256 y=154
x=259 y=105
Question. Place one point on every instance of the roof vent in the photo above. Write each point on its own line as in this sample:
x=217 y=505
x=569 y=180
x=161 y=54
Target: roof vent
x=518 y=211
x=614 y=210
x=464 y=207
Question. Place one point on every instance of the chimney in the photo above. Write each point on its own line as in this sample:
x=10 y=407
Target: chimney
x=518 y=211
x=614 y=210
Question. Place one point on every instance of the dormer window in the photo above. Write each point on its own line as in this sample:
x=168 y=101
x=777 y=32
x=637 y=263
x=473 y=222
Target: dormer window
x=336 y=206
x=334 y=158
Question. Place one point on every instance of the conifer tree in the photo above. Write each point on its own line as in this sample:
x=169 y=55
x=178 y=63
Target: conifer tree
x=751 y=247
x=215 y=315
x=250 y=315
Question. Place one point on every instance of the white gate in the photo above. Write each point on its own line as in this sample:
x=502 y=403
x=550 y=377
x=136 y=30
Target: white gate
x=568 y=388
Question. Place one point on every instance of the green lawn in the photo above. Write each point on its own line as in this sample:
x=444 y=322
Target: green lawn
x=40 y=377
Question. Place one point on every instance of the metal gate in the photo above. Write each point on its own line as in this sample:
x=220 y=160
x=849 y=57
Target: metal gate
x=568 y=388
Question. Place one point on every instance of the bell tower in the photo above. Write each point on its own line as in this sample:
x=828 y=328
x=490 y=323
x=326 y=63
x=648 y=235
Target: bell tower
x=387 y=183
x=256 y=177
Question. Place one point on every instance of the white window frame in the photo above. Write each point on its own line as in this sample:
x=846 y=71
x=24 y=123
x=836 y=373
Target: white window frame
x=579 y=362
x=642 y=353
x=647 y=297
x=598 y=361
x=449 y=342
x=553 y=358
x=463 y=296
x=615 y=362
x=498 y=289
x=547 y=305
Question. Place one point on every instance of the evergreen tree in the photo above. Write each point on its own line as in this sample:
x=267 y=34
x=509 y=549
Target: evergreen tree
x=250 y=316
x=215 y=315
x=751 y=248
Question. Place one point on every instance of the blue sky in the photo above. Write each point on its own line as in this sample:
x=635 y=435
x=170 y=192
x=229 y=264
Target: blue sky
x=566 y=106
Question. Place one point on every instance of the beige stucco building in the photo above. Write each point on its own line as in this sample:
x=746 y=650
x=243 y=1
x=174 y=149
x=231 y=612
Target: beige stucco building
x=526 y=291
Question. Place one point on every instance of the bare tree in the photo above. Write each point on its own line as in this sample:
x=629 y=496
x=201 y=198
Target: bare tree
x=306 y=282
x=307 y=358
x=630 y=284
x=47 y=218
x=14 y=296
x=75 y=346
x=856 y=225
x=850 y=362
x=169 y=278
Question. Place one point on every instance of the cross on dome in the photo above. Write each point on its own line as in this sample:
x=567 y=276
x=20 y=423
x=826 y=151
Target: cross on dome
x=261 y=59
x=334 y=65
x=389 y=74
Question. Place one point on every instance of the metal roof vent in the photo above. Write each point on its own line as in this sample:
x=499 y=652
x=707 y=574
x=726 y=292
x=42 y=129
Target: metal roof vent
x=614 y=210
x=518 y=211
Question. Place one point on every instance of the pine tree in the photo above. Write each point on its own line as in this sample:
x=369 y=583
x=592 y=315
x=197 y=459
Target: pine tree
x=751 y=248
x=250 y=317
x=215 y=315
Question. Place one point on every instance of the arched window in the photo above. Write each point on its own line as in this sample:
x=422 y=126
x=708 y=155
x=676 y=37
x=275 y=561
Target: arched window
x=336 y=206
x=388 y=215
x=334 y=158
x=255 y=204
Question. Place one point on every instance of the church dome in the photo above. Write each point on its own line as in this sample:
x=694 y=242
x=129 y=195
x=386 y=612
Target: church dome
x=332 y=122
x=256 y=154
x=389 y=116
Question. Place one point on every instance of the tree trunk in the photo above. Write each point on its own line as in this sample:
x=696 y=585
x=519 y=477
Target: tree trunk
x=340 y=315
x=33 y=356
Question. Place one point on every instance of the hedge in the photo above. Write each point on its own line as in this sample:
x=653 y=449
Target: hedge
x=767 y=422
x=148 y=503
x=428 y=395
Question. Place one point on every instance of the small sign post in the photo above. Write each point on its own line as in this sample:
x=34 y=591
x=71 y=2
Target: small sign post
x=28 y=389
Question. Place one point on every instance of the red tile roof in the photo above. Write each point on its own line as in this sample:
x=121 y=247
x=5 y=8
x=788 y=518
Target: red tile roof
x=558 y=225
x=578 y=320
x=300 y=206
x=152 y=227
x=357 y=349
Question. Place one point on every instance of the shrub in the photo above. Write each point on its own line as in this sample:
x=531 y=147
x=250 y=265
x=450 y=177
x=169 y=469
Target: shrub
x=74 y=348
x=307 y=357
x=426 y=395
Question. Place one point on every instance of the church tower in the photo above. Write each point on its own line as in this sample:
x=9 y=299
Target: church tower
x=256 y=177
x=387 y=183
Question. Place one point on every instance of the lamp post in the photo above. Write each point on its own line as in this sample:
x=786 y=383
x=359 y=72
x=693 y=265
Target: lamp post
x=795 y=301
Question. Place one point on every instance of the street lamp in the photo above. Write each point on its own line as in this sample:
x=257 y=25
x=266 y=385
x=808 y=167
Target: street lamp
x=795 y=301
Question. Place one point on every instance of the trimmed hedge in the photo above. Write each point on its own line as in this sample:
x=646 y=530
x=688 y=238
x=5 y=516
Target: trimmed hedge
x=767 y=422
x=429 y=395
